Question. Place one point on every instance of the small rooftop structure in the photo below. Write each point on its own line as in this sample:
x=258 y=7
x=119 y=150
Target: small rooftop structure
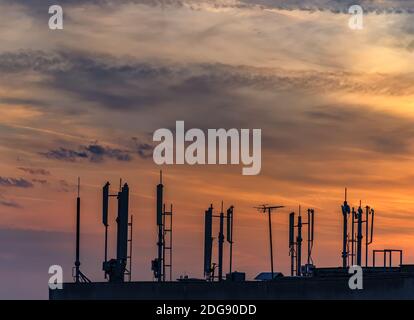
x=266 y=276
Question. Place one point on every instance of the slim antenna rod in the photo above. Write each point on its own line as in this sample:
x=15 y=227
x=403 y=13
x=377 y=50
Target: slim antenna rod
x=310 y=223
x=359 y=236
x=105 y=205
x=160 y=224
x=271 y=242
x=230 y=212
x=353 y=236
x=292 y=242
x=299 y=245
x=130 y=247
x=220 y=244
x=79 y=276
x=346 y=210
x=268 y=209
x=77 y=262
x=369 y=231
x=309 y=235
x=366 y=235
x=208 y=243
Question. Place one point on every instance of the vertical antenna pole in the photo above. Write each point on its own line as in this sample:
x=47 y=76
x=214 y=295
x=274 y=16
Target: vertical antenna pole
x=264 y=208
x=292 y=242
x=359 y=237
x=345 y=213
x=122 y=233
x=160 y=262
x=163 y=242
x=366 y=235
x=230 y=215
x=77 y=262
x=160 y=224
x=105 y=205
x=106 y=243
x=353 y=237
x=271 y=241
x=171 y=241
x=221 y=242
x=130 y=248
x=299 y=245
x=309 y=235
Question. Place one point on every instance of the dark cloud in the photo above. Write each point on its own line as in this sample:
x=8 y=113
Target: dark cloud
x=19 y=101
x=15 y=182
x=339 y=133
x=65 y=154
x=144 y=150
x=35 y=171
x=122 y=85
x=13 y=62
x=10 y=204
x=93 y=152
x=98 y=153
x=369 y=130
x=39 y=7
x=208 y=95
x=336 y=6
x=42 y=182
x=116 y=85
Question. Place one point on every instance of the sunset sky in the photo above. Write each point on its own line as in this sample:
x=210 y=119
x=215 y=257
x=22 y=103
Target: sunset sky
x=335 y=105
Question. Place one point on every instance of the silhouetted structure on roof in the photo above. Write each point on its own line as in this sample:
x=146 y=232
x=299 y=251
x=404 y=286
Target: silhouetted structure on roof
x=353 y=255
x=209 y=267
x=306 y=281
x=295 y=243
x=268 y=209
x=164 y=243
x=79 y=276
x=116 y=269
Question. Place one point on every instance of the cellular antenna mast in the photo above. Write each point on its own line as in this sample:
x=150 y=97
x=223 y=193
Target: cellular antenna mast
x=356 y=239
x=208 y=243
x=346 y=211
x=220 y=244
x=116 y=268
x=160 y=242
x=164 y=238
x=105 y=203
x=78 y=276
x=230 y=212
x=269 y=209
x=209 y=267
x=299 y=245
x=295 y=243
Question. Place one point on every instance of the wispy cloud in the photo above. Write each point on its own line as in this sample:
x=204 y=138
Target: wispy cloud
x=144 y=150
x=65 y=154
x=10 y=204
x=335 y=6
x=98 y=153
x=15 y=182
x=42 y=182
x=93 y=152
x=35 y=171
